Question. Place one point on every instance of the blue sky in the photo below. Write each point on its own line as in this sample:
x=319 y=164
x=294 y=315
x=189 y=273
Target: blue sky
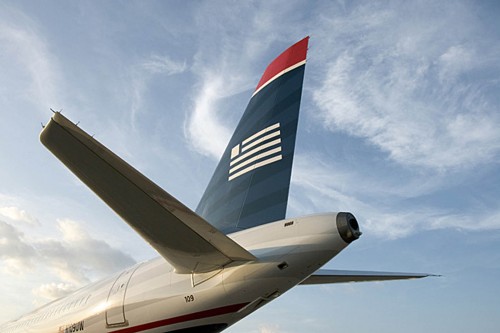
x=399 y=125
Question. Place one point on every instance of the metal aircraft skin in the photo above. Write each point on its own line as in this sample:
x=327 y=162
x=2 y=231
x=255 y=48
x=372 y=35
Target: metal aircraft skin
x=231 y=256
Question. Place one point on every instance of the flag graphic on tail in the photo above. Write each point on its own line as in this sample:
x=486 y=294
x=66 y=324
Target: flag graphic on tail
x=258 y=150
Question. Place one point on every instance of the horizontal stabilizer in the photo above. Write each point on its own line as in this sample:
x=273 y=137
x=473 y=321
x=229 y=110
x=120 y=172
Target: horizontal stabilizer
x=324 y=276
x=181 y=236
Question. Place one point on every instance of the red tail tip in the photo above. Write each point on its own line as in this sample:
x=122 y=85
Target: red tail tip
x=295 y=55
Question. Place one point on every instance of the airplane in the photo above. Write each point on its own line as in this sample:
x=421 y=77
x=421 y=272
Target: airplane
x=232 y=255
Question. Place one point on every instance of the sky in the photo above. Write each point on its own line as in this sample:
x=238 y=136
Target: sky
x=399 y=125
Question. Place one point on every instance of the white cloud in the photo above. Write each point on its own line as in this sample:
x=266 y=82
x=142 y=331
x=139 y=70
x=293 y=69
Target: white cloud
x=29 y=69
x=16 y=253
x=486 y=220
x=456 y=60
x=382 y=75
x=415 y=92
x=73 y=258
x=325 y=187
x=205 y=128
x=51 y=291
x=398 y=224
x=141 y=77
x=163 y=65
x=78 y=257
x=225 y=65
x=205 y=131
x=18 y=214
x=269 y=328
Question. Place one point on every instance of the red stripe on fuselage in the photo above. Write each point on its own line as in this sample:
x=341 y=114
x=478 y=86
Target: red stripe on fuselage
x=291 y=56
x=188 y=317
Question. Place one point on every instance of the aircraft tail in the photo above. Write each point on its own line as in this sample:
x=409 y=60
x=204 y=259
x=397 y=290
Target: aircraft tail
x=251 y=182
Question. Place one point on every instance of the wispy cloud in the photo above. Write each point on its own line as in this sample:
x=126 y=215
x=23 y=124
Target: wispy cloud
x=426 y=104
x=225 y=65
x=421 y=100
x=141 y=76
x=325 y=187
x=26 y=61
x=205 y=131
x=157 y=64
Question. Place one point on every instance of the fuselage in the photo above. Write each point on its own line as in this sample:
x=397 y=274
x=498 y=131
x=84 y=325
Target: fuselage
x=152 y=297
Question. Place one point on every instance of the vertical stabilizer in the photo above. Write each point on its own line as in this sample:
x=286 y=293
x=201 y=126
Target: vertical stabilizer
x=251 y=183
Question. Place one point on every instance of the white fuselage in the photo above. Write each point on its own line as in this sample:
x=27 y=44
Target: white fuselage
x=152 y=297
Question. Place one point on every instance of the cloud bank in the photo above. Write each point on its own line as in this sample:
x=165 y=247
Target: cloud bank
x=73 y=258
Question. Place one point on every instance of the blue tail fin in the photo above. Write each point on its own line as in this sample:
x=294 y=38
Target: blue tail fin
x=250 y=185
